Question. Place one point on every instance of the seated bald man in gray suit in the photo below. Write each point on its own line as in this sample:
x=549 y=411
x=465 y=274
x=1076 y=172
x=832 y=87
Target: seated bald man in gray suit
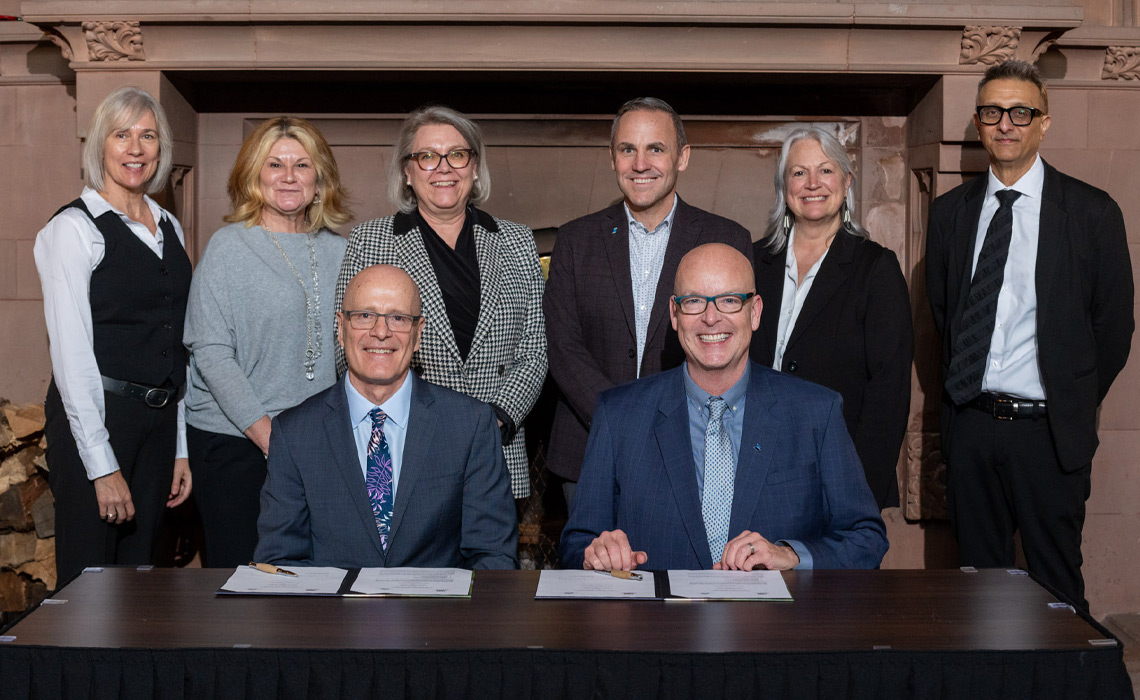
x=383 y=468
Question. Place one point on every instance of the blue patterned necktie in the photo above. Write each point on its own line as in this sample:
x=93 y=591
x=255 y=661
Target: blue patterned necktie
x=379 y=476
x=720 y=473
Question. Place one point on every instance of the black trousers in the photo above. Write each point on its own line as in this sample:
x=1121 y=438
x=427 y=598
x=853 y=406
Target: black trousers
x=143 y=440
x=1003 y=476
x=228 y=474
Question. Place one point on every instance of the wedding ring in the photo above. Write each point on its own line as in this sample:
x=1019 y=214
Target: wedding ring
x=110 y=515
x=751 y=549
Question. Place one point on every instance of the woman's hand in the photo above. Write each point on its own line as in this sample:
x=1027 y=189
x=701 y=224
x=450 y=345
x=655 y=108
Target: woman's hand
x=114 y=496
x=180 y=487
x=259 y=434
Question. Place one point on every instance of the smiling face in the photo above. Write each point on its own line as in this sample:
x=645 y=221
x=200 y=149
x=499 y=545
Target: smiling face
x=715 y=343
x=288 y=183
x=647 y=159
x=378 y=359
x=1012 y=149
x=130 y=157
x=441 y=193
x=814 y=186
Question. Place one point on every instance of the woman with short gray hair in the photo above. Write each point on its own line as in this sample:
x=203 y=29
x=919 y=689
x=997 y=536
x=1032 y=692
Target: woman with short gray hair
x=115 y=276
x=479 y=276
x=836 y=308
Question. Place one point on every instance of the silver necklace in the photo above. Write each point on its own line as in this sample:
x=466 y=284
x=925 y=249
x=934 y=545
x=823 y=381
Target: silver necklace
x=312 y=302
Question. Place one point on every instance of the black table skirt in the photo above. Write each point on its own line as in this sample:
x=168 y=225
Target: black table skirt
x=53 y=673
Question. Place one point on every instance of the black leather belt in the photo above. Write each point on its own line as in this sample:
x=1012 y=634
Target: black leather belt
x=153 y=396
x=1007 y=407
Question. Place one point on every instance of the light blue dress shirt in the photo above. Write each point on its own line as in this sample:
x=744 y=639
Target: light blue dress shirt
x=697 y=400
x=397 y=407
x=1012 y=367
x=794 y=295
x=646 y=258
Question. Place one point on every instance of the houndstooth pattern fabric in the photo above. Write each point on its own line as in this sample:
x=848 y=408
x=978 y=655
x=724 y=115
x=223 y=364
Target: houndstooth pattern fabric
x=506 y=365
x=720 y=472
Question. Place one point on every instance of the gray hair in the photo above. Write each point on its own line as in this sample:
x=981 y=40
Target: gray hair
x=399 y=192
x=776 y=237
x=1017 y=70
x=120 y=110
x=649 y=104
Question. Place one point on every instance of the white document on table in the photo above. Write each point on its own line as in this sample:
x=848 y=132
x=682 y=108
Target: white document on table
x=309 y=580
x=593 y=584
x=454 y=583
x=728 y=585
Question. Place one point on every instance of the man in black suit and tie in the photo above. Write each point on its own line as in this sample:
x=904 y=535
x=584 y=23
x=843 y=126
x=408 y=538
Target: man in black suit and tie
x=1031 y=288
x=611 y=274
x=383 y=468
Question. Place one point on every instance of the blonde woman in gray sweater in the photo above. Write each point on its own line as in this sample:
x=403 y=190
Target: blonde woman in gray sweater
x=259 y=323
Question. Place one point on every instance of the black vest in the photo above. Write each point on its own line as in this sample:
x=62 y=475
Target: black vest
x=138 y=304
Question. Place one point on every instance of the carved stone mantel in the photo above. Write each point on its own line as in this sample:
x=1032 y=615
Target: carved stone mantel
x=114 y=41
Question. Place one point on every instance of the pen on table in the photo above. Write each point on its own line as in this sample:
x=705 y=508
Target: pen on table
x=271 y=569
x=622 y=573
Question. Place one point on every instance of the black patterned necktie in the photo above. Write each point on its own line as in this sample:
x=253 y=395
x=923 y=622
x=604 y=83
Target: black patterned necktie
x=972 y=343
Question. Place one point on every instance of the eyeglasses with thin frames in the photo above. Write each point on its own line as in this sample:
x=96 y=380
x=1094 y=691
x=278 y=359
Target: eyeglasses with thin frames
x=367 y=320
x=693 y=304
x=1018 y=116
x=430 y=160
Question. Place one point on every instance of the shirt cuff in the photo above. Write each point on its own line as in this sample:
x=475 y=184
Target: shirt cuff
x=180 y=449
x=806 y=562
x=508 y=427
x=98 y=460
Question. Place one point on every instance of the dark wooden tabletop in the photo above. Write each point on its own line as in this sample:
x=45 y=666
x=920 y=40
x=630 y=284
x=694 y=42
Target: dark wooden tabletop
x=928 y=610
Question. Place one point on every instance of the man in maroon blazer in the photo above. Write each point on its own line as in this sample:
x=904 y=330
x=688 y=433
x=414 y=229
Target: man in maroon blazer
x=611 y=274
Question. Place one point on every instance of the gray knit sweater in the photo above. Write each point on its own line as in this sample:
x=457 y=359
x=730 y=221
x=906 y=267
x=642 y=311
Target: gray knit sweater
x=246 y=327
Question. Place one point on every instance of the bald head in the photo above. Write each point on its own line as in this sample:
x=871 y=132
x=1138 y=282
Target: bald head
x=731 y=268
x=385 y=277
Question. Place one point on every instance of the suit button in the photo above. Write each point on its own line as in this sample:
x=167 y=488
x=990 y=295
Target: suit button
x=165 y=353
x=164 y=271
x=793 y=366
x=167 y=326
x=502 y=369
x=632 y=353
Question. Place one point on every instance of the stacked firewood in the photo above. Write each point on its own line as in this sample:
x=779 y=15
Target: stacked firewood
x=27 y=512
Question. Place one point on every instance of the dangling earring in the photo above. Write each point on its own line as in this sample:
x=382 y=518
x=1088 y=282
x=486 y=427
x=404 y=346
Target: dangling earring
x=846 y=214
x=316 y=199
x=787 y=221
x=409 y=182
x=476 y=176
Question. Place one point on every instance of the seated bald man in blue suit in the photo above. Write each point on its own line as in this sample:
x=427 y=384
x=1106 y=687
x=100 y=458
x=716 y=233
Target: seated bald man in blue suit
x=383 y=468
x=721 y=463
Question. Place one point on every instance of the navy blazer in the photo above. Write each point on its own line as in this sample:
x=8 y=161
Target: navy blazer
x=854 y=336
x=797 y=476
x=453 y=503
x=1084 y=298
x=590 y=329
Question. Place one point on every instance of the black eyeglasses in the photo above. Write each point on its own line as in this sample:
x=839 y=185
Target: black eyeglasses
x=367 y=320
x=1018 y=116
x=693 y=304
x=430 y=160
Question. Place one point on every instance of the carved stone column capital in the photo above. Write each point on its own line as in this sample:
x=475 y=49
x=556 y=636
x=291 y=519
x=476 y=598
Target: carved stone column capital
x=988 y=45
x=114 y=41
x=59 y=40
x=1121 y=63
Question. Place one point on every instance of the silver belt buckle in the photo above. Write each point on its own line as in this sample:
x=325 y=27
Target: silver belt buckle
x=157 y=398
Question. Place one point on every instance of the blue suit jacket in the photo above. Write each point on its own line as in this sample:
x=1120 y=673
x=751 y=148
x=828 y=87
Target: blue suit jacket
x=453 y=505
x=797 y=476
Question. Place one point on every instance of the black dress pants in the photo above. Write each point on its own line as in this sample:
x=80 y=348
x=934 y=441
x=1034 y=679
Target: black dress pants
x=228 y=475
x=1003 y=476
x=143 y=440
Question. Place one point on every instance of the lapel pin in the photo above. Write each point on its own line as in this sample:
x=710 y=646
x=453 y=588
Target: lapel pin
x=614 y=231
x=756 y=447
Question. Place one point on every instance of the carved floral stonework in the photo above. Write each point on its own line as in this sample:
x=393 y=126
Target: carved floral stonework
x=64 y=47
x=1121 y=63
x=925 y=479
x=988 y=45
x=114 y=41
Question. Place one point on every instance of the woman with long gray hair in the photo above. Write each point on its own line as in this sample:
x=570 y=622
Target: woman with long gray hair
x=836 y=308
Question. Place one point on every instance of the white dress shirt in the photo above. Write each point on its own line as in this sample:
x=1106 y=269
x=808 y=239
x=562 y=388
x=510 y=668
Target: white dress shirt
x=793 y=297
x=1012 y=367
x=397 y=409
x=646 y=258
x=67 y=251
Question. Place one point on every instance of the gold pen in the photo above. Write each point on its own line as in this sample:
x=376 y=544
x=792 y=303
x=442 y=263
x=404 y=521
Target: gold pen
x=271 y=569
x=623 y=574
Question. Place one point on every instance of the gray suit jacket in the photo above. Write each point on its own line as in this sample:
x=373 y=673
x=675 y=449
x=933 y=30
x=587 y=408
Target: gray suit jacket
x=453 y=506
x=506 y=365
x=589 y=309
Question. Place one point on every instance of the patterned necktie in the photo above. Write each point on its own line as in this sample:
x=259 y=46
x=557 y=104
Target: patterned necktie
x=720 y=472
x=379 y=476
x=972 y=343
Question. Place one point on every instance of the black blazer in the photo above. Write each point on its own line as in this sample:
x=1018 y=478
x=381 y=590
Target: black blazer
x=854 y=336
x=588 y=303
x=1084 y=299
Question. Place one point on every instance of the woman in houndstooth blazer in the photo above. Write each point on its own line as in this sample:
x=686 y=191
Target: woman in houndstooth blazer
x=479 y=276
